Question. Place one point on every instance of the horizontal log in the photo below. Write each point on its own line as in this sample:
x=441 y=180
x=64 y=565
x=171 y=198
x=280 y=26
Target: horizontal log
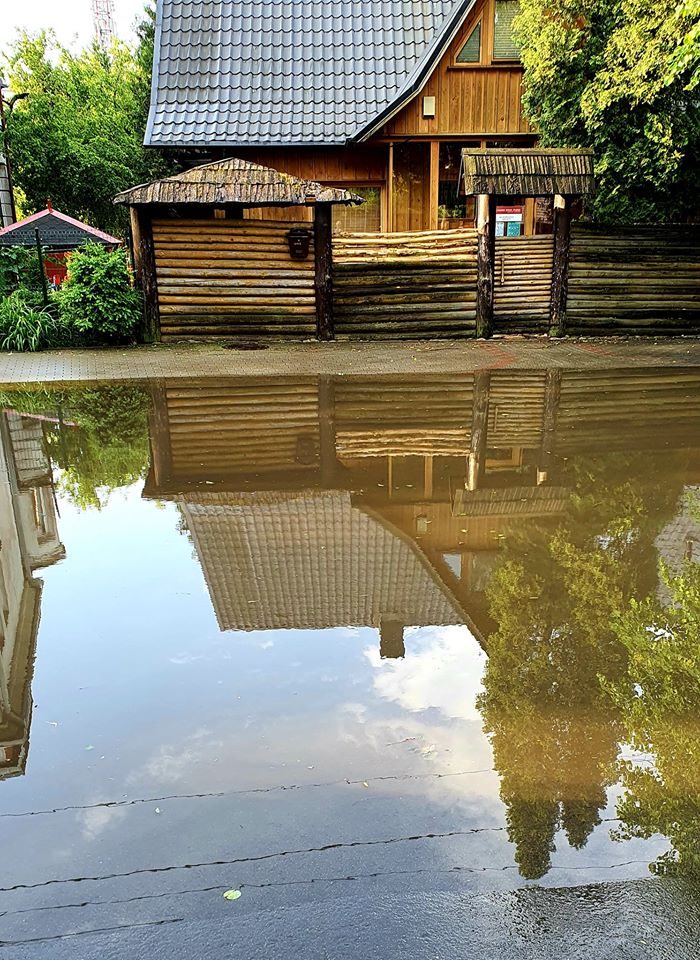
x=271 y=300
x=226 y=260
x=191 y=224
x=258 y=282
x=238 y=310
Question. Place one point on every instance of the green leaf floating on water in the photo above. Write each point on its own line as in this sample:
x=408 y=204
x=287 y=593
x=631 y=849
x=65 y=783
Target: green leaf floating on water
x=232 y=895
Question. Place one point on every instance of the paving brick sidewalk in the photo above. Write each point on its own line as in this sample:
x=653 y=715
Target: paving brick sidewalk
x=343 y=358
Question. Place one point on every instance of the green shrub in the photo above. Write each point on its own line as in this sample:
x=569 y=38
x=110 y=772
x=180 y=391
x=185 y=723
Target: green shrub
x=97 y=300
x=19 y=269
x=24 y=326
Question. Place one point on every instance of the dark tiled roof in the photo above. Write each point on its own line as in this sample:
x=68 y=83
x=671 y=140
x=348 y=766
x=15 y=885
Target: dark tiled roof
x=57 y=231
x=235 y=72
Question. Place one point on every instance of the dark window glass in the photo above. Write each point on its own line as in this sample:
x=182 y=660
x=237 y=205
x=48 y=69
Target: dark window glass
x=471 y=51
x=504 y=45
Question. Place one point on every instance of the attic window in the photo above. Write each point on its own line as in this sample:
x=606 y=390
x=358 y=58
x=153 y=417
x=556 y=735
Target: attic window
x=471 y=51
x=505 y=46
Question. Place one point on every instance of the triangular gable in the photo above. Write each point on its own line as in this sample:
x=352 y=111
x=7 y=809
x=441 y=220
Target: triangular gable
x=56 y=231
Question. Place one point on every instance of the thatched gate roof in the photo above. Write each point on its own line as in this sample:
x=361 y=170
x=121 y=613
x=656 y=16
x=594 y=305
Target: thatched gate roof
x=235 y=181
x=528 y=173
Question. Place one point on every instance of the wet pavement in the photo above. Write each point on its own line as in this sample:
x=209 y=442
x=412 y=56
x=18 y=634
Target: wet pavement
x=410 y=662
x=276 y=358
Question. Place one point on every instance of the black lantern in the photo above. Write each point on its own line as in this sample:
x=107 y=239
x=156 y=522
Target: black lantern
x=299 y=241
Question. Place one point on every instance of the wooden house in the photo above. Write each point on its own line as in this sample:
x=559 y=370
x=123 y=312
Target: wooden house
x=58 y=235
x=376 y=98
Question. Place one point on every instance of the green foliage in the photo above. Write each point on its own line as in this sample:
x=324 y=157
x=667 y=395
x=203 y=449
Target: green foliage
x=618 y=76
x=554 y=597
x=19 y=268
x=659 y=699
x=98 y=438
x=96 y=300
x=23 y=326
x=78 y=136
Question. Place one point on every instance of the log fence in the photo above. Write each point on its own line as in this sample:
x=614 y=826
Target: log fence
x=235 y=277
x=405 y=285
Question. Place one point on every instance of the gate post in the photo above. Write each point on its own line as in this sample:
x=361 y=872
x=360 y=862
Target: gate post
x=323 y=253
x=485 y=256
x=145 y=267
x=560 y=266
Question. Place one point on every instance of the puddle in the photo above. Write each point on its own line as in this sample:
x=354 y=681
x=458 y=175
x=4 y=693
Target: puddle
x=283 y=636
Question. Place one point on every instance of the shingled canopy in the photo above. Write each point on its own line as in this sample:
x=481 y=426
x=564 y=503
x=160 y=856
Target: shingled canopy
x=57 y=231
x=528 y=173
x=235 y=181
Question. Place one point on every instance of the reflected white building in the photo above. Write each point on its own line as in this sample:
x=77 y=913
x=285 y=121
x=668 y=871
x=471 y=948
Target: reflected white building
x=29 y=541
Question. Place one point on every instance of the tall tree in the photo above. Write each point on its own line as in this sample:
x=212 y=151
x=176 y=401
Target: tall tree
x=78 y=135
x=659 y=698
x=553 y=723
x=620 y=76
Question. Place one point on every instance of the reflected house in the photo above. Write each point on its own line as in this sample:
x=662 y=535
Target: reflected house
x=312 y=560
x=29 y=541
x=355 y=501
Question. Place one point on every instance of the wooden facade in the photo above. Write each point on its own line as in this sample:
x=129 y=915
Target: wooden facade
x=409 y=161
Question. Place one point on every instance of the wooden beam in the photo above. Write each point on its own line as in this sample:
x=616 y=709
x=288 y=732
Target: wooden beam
x=390 y=191
x=552 y=395
x=479 y=432
x=135 y=240
x=323 y=247
x=326 y=428
x=560 y=266
x=147 y=277
x=434 y=184
x=485 y=258
x=159 y=436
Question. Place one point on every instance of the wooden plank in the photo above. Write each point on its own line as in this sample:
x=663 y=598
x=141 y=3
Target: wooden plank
x=486 y=230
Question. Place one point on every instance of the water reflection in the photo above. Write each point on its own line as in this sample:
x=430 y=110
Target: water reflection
x=29 y=541
x=532 y=507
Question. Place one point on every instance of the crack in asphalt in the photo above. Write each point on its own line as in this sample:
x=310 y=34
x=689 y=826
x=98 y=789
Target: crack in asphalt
x=83 y=933
x=264 y=856
x=239 y=793
x=338 y=845
x=309 y=880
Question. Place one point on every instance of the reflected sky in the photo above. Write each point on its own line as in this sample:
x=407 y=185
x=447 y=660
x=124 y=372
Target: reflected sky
x=275 y=617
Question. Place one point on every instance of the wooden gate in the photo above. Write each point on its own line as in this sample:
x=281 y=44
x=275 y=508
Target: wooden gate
x=522 y=284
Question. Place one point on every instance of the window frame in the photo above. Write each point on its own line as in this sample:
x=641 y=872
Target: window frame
x=461 y=64
x=501 y=60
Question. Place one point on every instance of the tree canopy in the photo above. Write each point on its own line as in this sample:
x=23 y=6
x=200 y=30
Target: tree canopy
x=621 y=76
x=78 y=135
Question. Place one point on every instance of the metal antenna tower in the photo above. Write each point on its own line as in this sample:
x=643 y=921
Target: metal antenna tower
x=103 y=21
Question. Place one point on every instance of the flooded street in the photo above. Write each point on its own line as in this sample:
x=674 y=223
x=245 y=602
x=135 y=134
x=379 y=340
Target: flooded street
x=411 y=663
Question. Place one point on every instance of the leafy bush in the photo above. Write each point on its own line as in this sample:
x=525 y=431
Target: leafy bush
x=97 y=300
x=19 y=268
x=24 y=326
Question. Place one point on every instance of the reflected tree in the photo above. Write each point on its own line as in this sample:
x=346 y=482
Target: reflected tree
x=546 y=705
x=659 y=700
x=97 y=438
